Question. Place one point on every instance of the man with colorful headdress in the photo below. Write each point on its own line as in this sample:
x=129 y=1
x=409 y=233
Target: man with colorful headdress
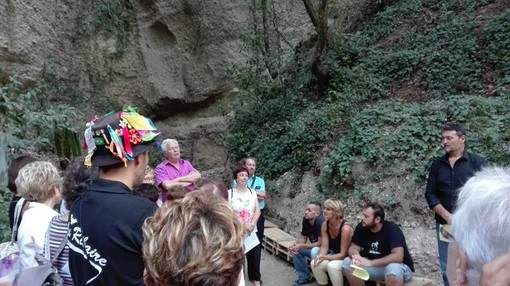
x=105 y=224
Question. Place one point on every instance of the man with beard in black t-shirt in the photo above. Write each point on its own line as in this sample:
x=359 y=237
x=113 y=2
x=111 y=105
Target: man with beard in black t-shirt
x=379 y=247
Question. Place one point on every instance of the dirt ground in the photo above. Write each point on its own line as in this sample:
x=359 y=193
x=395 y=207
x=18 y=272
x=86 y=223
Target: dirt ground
x=275 y=271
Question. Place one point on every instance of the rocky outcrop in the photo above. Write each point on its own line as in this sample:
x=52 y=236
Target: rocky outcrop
x=31 y=38
x=169 y=58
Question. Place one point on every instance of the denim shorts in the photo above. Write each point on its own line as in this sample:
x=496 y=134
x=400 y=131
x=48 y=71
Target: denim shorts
x=399 y=270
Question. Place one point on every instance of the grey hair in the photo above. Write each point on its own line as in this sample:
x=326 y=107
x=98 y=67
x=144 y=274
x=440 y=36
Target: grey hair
x=37 y=181
x=481 y=223
x=166 y=142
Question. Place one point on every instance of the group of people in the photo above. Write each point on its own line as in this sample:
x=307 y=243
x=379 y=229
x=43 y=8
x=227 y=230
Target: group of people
x=336 y=248
x=470 y=203
x=120 y=223
x=110 y=230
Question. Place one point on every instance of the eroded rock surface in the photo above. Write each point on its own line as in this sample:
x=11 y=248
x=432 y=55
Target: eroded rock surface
x=171 y=61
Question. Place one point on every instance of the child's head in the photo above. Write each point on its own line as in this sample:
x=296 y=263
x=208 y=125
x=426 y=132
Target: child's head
x=147 y=190
x=149 y=176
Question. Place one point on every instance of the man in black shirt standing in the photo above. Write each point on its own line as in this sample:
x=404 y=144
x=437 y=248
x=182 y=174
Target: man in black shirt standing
x=447 y=175
x=105 y=223
x=379 y=247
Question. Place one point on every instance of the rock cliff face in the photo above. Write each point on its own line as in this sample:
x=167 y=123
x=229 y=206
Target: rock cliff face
x=169 y=58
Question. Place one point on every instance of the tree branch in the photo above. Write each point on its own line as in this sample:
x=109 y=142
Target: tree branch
x=311 y=13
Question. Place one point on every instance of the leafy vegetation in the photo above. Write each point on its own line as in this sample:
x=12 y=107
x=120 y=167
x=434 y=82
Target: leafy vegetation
x=390 y=131
x=31 y=122
x=497 y=41
x=430 y=46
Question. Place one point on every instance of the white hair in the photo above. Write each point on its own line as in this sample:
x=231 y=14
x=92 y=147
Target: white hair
x=168 y=142
x=481 y=223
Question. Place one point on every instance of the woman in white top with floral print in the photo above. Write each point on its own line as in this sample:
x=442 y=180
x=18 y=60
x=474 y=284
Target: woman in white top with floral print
x=245 y=204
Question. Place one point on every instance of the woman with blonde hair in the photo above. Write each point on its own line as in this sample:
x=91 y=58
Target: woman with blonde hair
x=336 y=235
x=38 y=183
x=196 y=240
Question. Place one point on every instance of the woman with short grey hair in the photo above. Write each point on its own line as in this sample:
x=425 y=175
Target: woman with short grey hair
x=39 y=183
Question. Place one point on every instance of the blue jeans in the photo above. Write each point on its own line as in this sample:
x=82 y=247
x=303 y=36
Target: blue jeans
x=442 y=248
x=300 y=263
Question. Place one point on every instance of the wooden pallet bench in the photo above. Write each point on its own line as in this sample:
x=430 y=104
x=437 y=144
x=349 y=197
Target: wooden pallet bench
x=277 y=242
x=268 y=224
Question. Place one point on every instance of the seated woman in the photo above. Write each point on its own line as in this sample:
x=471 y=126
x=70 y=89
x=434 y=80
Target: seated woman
x=196 y=240
x=39 y=183
x=336 y=235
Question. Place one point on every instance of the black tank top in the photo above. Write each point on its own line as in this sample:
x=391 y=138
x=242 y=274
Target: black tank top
x=334 y=242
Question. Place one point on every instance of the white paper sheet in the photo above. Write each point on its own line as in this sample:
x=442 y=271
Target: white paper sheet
x=251 y=241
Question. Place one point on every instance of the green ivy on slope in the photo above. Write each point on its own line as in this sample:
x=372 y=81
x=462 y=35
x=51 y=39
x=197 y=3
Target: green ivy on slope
x=433 y=47
x=497 y=41
x=389 y=131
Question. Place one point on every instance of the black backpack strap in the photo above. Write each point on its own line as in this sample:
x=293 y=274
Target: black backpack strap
x=253 y=182
x=21 y=206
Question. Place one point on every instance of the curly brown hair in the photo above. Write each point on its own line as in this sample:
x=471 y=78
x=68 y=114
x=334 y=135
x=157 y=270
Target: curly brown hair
x=76 y=180
x=196 y=240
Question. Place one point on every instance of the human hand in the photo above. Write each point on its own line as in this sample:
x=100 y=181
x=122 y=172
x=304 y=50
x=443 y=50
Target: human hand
x=358 y=260
x=294 y=248
x=497 y=272
x=448 y=217
x=320 y=258
x=249 y=227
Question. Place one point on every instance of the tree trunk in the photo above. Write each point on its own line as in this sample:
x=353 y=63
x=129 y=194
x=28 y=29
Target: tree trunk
x=267 y=47
x=311 y=13
x=320 y=21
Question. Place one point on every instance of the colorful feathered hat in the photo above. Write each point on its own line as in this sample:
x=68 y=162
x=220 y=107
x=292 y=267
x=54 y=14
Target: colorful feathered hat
x=118 y=137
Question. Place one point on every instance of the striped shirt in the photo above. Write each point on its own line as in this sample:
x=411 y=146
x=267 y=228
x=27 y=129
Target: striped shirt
x=57 y=233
